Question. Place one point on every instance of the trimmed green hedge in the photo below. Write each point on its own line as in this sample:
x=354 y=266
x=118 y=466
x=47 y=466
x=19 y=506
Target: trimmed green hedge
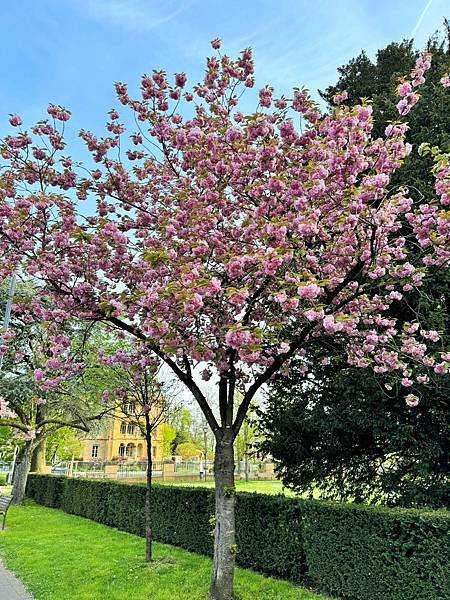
x=350 y=551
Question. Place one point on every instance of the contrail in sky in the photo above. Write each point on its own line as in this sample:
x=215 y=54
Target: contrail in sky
x=420 y=19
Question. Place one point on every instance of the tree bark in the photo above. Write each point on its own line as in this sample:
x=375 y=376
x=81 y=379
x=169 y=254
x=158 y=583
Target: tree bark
x=148 y=493
x=38 y=461
x=224 y=536
x=21 y=474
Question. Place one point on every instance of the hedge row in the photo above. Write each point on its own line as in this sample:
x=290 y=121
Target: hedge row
x=351 y=552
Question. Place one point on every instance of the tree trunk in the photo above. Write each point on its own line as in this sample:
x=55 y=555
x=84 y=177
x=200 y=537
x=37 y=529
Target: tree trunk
x=38 y=461
x=224 y=535
x=148 y=492
x=21 y=474
x=148 y=512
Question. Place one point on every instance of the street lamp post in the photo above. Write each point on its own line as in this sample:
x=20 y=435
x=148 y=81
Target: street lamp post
x=205 y=444
x=7 y=317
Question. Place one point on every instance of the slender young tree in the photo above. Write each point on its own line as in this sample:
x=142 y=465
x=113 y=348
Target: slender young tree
x=145 y=402
x=229 y=241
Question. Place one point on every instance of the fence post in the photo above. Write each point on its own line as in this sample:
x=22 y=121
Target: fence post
x=168 y=470
x=111 y=471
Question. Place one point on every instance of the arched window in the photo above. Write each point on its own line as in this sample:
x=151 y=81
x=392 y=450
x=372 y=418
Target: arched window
x=122 y=450
x=130 y=450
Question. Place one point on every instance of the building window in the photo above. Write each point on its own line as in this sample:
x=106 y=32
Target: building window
x=123 y=428
x=122 y=450
x=130 y=429
x=128 y=408
x=94 y=453
x=130 y=450
x=154 y=451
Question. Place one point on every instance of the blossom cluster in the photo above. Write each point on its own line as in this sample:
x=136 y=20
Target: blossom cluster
x=406 y=89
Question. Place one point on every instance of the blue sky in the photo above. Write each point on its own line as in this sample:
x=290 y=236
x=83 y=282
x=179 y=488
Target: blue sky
x=71 y=51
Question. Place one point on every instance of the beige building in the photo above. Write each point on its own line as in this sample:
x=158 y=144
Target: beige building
x=121 y=440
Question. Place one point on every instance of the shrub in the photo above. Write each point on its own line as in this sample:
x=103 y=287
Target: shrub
x=2 y=478
x=351 y=551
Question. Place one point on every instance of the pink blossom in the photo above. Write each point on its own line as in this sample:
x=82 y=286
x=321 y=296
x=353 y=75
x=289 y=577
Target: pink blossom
x=411 y=400
x=404 y=89
x=330 y=325
x=309 y=291
x=15 y=120
x=339 y=98
x=38 y=374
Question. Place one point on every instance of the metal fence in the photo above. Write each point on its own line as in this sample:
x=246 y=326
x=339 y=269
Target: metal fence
x=178 y=469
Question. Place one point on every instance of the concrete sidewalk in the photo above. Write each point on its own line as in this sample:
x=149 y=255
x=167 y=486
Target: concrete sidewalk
x=10 y=587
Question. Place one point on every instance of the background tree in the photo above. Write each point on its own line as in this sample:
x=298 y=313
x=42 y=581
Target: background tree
x=188 y=450
x=7 y=444
x=63 y=445
x=343 y=435
x=182 y=423
x=35 y=411
x=246 y=440
x=231 y=241
x=168 y=434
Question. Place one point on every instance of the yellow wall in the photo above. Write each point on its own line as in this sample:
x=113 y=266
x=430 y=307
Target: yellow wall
x=109 y=444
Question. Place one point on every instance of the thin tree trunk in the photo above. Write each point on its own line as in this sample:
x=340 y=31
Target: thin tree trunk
x=38 y=461
x=148 y=492
x=21 y=474
x=224 y=536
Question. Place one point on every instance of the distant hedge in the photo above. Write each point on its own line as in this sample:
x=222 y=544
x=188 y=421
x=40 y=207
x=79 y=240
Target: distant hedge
x=349 y=551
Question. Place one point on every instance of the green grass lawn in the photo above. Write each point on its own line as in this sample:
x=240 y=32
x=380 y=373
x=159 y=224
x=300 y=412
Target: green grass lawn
x=63 y=557
x=263 y=487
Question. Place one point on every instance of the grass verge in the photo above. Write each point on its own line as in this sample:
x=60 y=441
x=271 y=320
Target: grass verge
x=62 y=557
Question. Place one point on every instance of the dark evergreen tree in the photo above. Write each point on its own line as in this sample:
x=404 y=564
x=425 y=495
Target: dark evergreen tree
x=340 y=432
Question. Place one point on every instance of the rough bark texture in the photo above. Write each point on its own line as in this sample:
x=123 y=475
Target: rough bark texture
x=38 y=461
x=21 y=474
x=224 y=537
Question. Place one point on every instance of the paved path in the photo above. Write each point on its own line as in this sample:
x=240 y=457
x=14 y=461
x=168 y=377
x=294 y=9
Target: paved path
x=10 y=587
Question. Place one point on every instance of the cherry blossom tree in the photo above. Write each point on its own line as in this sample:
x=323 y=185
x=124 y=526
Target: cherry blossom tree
x=228 y=242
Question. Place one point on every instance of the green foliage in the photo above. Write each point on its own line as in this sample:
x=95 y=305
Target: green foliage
x=62 y=444
x=343 y=436
x=188 y=450
x=350 y=551
x=341 y=432
x=181 y=421
x=168 y=434
x=2 y=478
x=376 y=553
x=7 y=443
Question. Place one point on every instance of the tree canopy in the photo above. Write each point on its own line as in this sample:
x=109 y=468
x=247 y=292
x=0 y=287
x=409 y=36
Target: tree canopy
x=345 y=434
